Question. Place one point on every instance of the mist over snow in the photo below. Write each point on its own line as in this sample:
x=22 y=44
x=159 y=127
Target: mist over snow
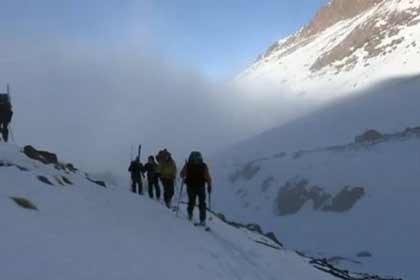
x=90 y=79
x=90 y=104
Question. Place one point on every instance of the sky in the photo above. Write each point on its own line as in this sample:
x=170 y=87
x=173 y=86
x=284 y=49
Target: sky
x=219 y=38
x=92 y=78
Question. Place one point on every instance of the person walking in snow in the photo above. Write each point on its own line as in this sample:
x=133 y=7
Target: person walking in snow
x=136 y=170
x=195 y=174
x=6 y=115
x=151 y=169
x=167 y=174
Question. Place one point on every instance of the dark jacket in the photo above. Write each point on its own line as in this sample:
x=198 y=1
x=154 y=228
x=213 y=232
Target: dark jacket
x=196 y=174
x=152 y=171
x=136 y=169
x=6 y=112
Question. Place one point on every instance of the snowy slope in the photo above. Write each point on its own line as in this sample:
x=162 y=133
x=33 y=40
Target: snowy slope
x=348 y=45
x=84 y=231
x=292 y=180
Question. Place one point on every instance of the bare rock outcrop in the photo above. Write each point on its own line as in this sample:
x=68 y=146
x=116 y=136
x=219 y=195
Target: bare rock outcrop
x=369 y=136
x=42 y=156
x=297 y=192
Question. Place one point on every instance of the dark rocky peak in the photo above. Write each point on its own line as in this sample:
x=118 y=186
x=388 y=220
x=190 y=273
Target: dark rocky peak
x=328 y=15
x=335 y=11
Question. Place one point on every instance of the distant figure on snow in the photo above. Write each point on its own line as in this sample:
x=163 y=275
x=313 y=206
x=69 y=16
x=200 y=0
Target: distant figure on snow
x=136 y=170
x=195 y=174
x=167 y=172
x=152 y=172
x=6 y=115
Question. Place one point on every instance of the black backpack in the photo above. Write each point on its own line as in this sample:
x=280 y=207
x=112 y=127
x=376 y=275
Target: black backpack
x=5 y=107
x=5 y=99
x=196 y=174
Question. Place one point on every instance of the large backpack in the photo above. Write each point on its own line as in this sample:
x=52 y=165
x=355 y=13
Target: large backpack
x=196 y=170
x=5 y=107
x=196 y=174
x=4 y=98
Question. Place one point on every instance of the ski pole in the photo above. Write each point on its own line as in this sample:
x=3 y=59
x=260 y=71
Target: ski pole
x=179 y=198
x=139 y=152
x=210 y=217
x=11 y=135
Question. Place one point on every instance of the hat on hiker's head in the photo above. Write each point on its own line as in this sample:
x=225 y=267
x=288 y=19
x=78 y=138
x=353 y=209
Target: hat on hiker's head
x=195 y=157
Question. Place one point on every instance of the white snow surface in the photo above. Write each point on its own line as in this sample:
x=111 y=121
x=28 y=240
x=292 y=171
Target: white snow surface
x=84 y=231
x=384 y=222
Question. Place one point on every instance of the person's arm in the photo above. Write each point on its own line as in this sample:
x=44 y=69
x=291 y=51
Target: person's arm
x=174 y=169
x=130 y=168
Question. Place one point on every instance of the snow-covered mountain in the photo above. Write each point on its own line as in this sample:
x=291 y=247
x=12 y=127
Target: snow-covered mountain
x=326 y=187
x=348 y=45
x=340 y=180
x=58 y=223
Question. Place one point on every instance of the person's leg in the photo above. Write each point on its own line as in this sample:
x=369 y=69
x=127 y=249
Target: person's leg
x=150 y=185
x=157 y=188
x=171 y=190
x=2 y=126
x=192 y=195
x=133 y=185
x=138 y=183
x=166 y=192
x=202 y=204
x=6 y=132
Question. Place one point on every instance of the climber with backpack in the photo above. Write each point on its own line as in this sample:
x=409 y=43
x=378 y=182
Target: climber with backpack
x=167 y=174
x=6 y=115
x=195 y=174
x=151 y=169
x=136 y=170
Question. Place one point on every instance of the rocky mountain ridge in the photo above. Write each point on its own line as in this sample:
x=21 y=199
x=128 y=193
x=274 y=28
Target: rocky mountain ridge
x=348 y=44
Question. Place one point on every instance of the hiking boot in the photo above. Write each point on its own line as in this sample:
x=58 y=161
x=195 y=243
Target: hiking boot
x=190 y=217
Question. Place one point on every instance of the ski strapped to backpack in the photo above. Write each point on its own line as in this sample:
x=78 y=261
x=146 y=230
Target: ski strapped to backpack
x=139 y=152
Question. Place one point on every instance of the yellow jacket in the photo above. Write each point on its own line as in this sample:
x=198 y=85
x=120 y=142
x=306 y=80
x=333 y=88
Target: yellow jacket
x=167 y=169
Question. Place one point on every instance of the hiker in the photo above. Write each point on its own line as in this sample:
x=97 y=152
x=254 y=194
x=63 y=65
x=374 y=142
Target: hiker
x=151 y=169
x=136 y=170
x=167 y=174
x=195 y=174
x=6 y=115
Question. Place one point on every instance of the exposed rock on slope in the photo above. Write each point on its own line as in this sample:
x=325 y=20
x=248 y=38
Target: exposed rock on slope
x=298 y=192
